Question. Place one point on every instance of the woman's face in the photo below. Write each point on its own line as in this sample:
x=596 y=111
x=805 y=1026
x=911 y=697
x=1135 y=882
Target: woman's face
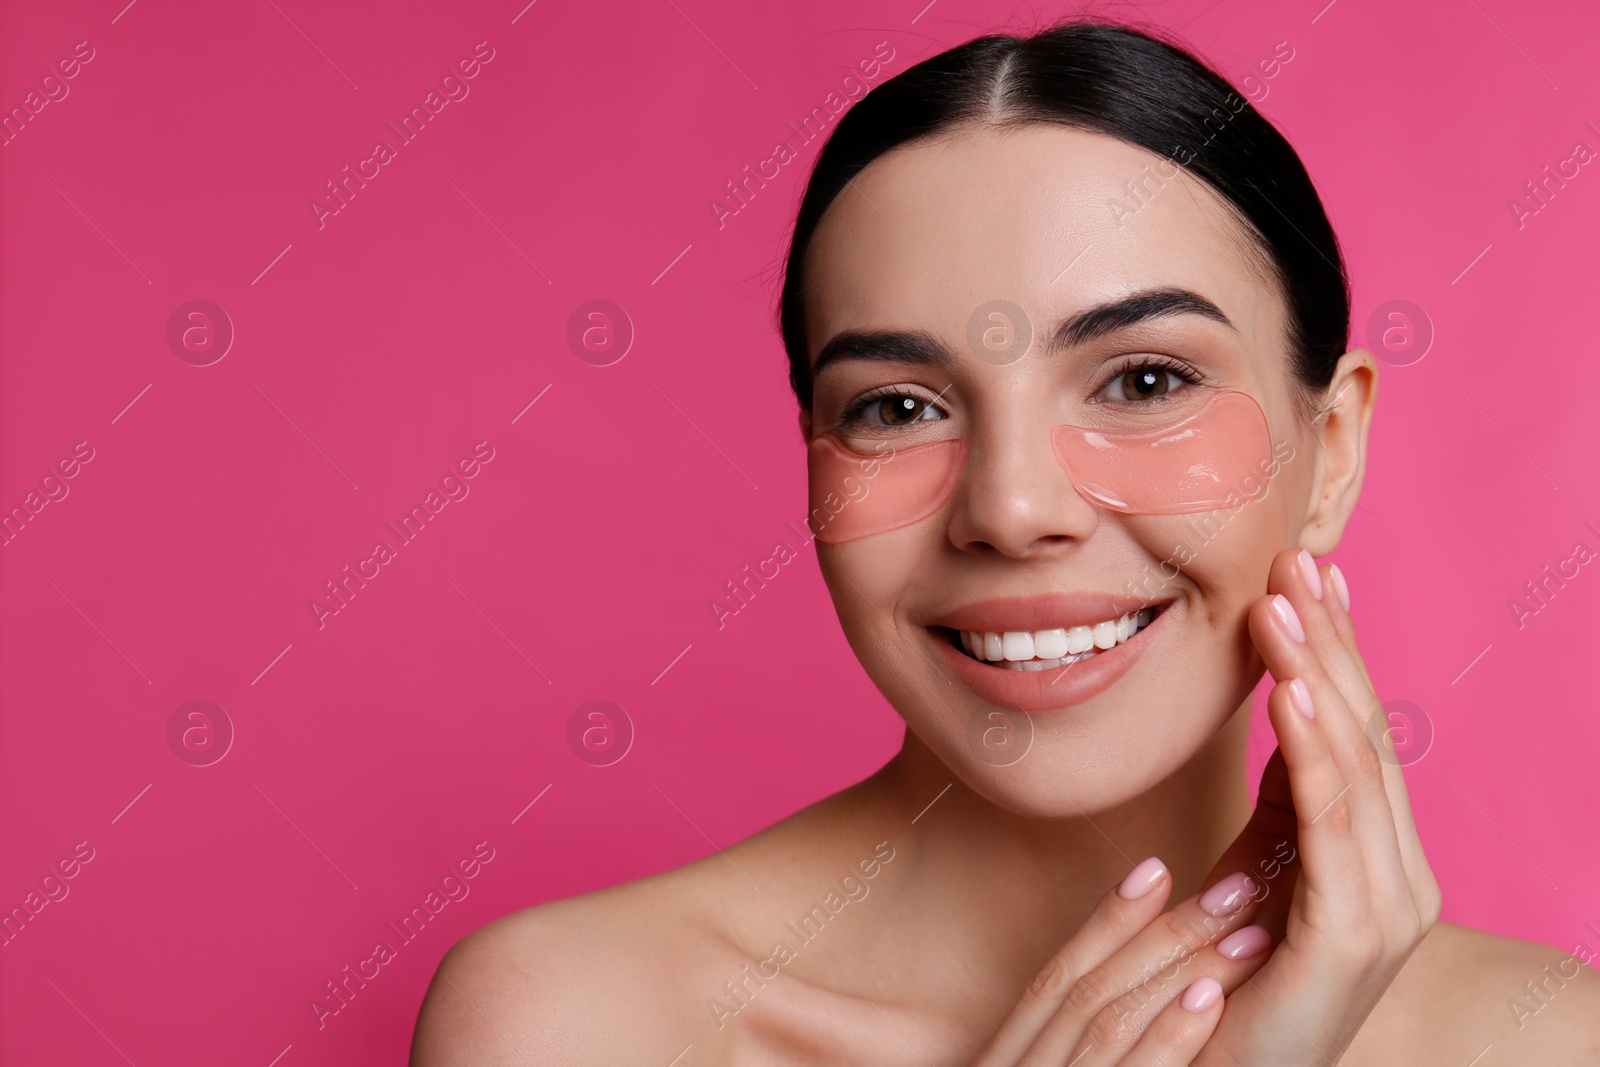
x=1056 y=222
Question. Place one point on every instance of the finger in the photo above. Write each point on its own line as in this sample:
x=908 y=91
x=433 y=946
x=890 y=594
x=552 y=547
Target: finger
x=1119 y=916
x=1268 y=846
x=1333 y=864
x=1288 y=627
x=1163 y=944
x=1124 y=1026
x=1182 y=1029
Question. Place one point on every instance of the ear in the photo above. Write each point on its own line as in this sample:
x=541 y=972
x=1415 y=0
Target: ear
x=805 y=425
x=1340 y=436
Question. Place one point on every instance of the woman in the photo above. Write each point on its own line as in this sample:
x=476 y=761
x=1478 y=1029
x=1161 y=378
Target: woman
x=1067 y=326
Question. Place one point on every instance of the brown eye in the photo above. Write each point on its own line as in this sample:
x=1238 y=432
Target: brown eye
x=900 y=409
x=1144 y=383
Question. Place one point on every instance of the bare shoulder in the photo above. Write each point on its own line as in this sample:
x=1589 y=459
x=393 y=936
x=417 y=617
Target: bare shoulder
x=589 y=979
x=1466 y=993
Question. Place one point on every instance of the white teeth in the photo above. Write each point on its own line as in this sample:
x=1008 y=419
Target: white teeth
x=1050 y=644
x=1039 y=650
x=1079 y=639
x=1016 y=646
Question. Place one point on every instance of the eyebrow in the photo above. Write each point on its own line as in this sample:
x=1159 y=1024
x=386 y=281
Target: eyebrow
x=919 y=346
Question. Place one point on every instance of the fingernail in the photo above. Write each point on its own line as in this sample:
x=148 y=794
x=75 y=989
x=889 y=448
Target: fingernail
x=1339 y=585
x=1228 y=895
x=1308 y=569
x=1300 y=697
x=1201 y=994
x=1245 y=942
x=1291 y=620
x=1142 y=879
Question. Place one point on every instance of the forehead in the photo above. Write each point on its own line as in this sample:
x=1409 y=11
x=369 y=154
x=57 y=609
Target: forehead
x=1050 y=218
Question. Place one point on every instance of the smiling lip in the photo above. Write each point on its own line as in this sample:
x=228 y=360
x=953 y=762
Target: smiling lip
x=1058 y=687
x=1045 y=612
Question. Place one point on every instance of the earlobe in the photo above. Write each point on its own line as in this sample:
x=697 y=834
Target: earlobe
x=1340 y=437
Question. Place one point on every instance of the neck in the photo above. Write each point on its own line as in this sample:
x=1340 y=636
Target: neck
x=1043 y=876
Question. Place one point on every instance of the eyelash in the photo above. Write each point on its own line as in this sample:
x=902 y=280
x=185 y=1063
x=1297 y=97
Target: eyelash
x=852 y=417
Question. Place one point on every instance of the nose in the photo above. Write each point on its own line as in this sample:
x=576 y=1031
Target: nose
x=1014 y=499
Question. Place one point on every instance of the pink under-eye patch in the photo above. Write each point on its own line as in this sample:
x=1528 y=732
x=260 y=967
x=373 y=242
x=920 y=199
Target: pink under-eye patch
x=1217 y=456
x=854 y=495
x=1207 y=460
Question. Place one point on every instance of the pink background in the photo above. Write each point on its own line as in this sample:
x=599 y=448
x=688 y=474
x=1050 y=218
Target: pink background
x=373 y=353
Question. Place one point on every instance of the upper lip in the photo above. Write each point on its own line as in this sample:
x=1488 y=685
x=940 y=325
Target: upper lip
x=1046 y=612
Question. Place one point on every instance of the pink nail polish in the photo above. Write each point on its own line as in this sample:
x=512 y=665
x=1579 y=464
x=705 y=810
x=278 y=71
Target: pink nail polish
x=1228 y=895
x=1291 y=619
x=1245 y=942
x=1300 y=697
x=1201 y=994
x=1308 y=570
x=1339 y=585
x=1142 y=879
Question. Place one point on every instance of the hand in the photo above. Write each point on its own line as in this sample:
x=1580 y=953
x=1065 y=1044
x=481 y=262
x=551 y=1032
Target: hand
x=1134 y=986
x=1363 y=896
x=1141 y=988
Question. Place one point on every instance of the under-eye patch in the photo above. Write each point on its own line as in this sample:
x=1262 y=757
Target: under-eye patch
x=1202 y=460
